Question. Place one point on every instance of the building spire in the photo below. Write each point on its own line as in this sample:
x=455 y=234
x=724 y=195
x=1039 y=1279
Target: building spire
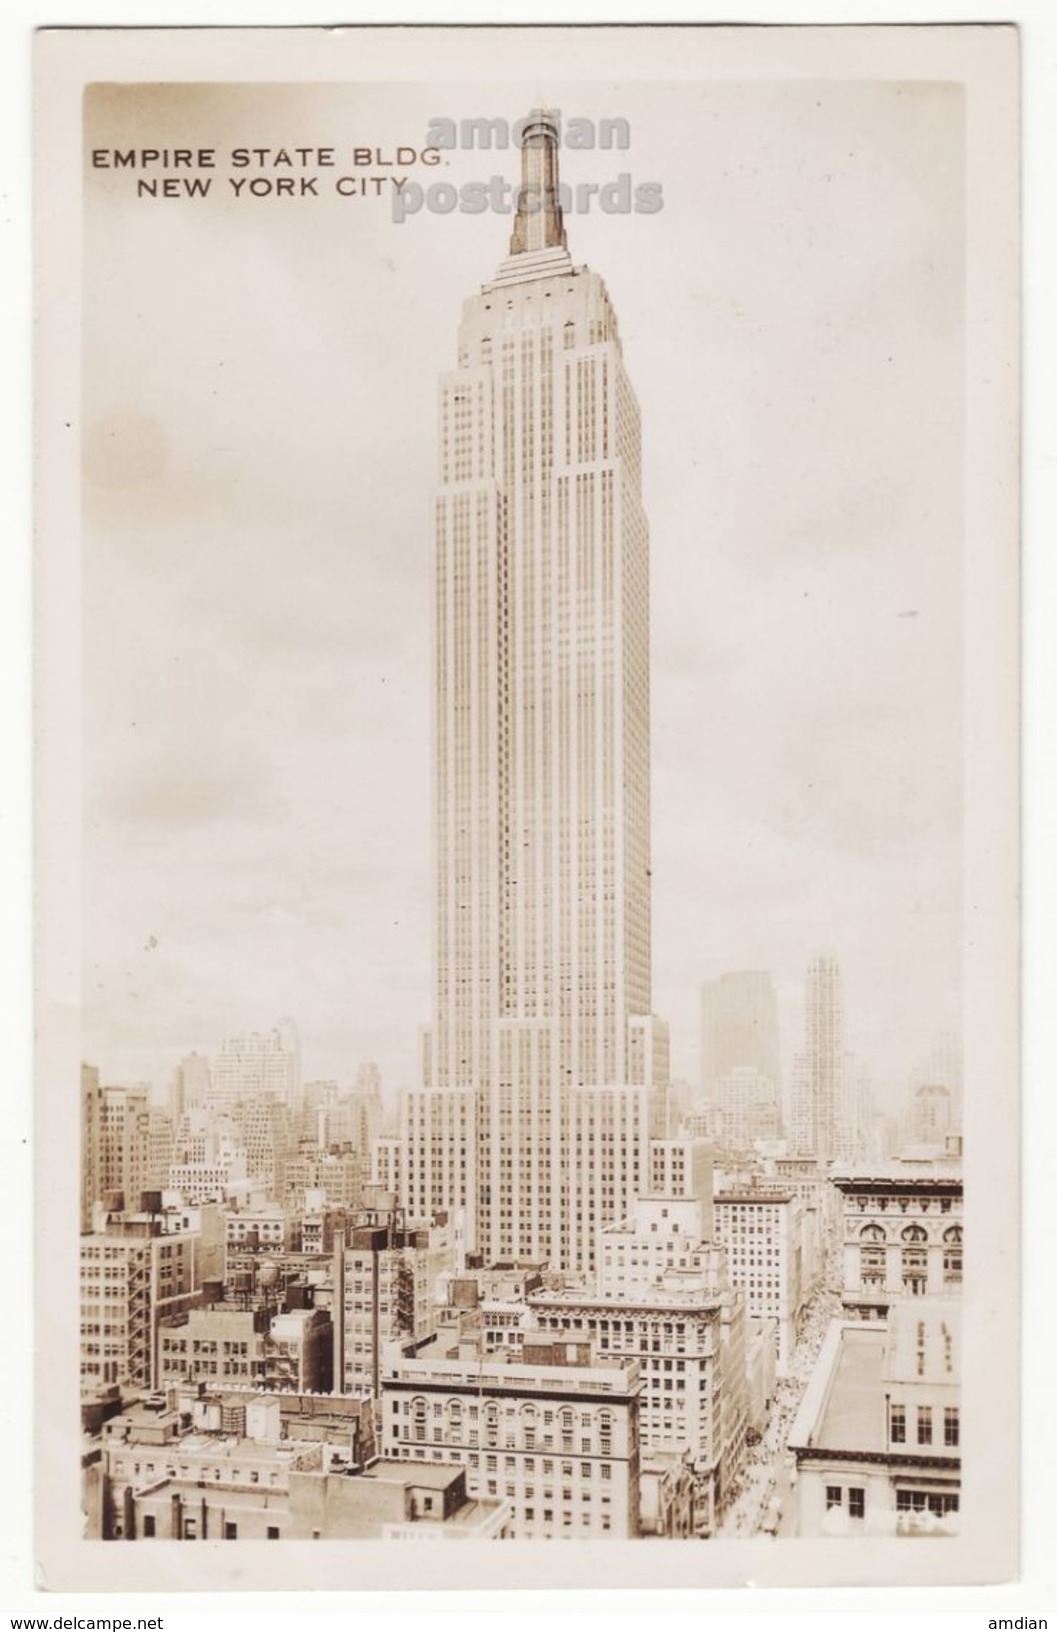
x=539 y=215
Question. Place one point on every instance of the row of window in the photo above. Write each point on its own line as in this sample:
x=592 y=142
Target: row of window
x=913 y=1233
x=190 y=1530
x=926 y=1501
x=925 y=1427
x=882 y=1203
x=856 y=1494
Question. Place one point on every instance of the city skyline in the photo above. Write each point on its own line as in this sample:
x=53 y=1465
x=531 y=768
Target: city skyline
x=320 y=662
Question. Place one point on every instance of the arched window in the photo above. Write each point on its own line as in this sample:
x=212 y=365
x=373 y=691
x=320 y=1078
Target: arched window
x=528 y=1426
x=872 y=1257
x=418 y=1418
x=952 y=1256
x=915 y=1258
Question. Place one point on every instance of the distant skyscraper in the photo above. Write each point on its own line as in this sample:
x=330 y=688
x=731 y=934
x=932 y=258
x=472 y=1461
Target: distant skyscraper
x=159 y=1148
x=367 y=1107
x=257 y=1067
x=91 y=1118
x=818 y=1083
x=739 y=1028
x=740 y=1060
x=855 y=1111
x=542 y=1010
x=750 y=1108
x=191 y=1087
x=943 y=1068
x=929 y=1113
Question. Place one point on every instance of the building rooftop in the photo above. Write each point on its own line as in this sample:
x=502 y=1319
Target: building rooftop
x=767 y=1197
x=843 y=1404
x=853 y=1417
x=928 y=1167
x=425 y=1475
x=508 y=1369
x=701 y=1295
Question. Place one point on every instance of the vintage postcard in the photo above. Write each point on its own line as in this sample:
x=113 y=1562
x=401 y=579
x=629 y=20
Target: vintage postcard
x=527 y=686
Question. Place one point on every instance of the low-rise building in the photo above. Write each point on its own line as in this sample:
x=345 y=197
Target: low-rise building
x=901 y=1231
x=340 y=1173
x=217 y=1180
x=156 y=1479
x=552 y=1432
x=222 y=1344
x=878 y=1434
x=497 y=1296
x=263 y=1227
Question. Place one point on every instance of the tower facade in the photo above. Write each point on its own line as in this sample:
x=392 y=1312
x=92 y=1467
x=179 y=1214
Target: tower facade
x=819 y=1074
x=542 y=747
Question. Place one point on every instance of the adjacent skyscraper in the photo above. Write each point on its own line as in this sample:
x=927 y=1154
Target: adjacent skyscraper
x=542 y=1031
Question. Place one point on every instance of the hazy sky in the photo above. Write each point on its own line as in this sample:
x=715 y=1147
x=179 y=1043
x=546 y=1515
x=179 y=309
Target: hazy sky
x=260 y=413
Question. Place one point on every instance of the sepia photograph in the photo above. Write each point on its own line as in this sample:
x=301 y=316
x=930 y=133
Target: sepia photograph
x=528 y=784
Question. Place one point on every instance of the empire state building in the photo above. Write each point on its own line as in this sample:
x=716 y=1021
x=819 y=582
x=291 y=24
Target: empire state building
x=544 y=1071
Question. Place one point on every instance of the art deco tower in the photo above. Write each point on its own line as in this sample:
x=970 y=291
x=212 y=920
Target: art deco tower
x=543 y=1050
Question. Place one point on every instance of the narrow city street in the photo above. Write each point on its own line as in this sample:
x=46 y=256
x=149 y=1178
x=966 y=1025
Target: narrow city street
x=763 y=1503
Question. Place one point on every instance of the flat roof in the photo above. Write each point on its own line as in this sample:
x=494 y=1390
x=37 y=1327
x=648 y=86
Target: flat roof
x=900 y=1172
x=764 y=1197
x=853 y=1415
x=843 y=1404
x=703 y=1297
x=433 y=1475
